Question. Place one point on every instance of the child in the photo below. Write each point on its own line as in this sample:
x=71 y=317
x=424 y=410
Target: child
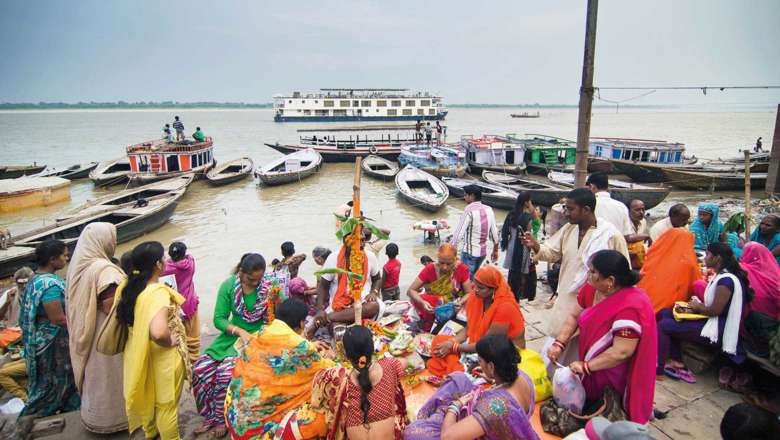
x=426 y=260
x=390 y=274
x=182 y=266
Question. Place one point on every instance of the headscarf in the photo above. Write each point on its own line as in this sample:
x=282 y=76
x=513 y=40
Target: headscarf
x=705 y=235
x=670 y=269
x=763 y=277
x=768 y=242
x=90 y=272
x=504 y=309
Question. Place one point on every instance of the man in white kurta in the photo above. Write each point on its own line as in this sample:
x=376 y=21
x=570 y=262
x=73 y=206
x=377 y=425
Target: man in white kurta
x=609 y=209
x=679 y=215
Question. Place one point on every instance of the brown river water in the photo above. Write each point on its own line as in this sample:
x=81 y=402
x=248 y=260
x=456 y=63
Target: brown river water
x=220 y=224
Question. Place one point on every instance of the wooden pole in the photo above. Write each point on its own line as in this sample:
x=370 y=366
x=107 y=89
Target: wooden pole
x=586 y=95
x=747 y=195
x=357 y=304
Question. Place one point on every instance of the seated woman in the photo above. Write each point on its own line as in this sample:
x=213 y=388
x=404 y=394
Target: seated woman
x=460 y=410
x=707 y=228
x=768 y=234
x=764 y=311
x=274 y=374
x=491 y=310
x=617 y=336
x=241 y=309
x=438 y=284
x=671 y=268
x=724 y=298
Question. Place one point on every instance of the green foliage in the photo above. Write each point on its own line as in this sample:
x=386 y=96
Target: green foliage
x=336 y=270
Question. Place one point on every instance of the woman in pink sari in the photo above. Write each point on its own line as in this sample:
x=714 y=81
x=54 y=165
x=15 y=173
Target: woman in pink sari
x=618 y=342
x=764 y=310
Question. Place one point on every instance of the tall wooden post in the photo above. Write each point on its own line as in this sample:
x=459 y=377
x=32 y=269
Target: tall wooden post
x=586 y=95
x=773 y=177
x=747 y=194
x=357 y=303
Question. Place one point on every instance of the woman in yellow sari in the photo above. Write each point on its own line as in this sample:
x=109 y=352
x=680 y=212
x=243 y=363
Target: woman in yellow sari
x=155 y=356
x=439 y=283
x=273 y=376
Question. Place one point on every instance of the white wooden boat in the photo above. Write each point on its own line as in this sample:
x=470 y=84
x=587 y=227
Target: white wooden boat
x=112 y=172
x=379 y=167
x=290 y=168
x=230 y=171
x=493 y=195
x=421 y=189
x=30 y=191
x=74 y=172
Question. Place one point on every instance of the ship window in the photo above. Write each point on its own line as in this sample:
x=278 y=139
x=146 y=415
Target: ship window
x=344 y=103
x=616 y=153
x=365 y=103
x=355 y=103
x=396 y=103
x=410 y=103
x=663 y=157
x=407 y=112
x=289 y=102
x=307 y=112
x=208 y=156
x=381 y=103
x=339 y=113
x=431 y=111
x=321 y=112
x=316 y=102
x=328 y=103
x=599 y=150
x=392 y=112
x=677 y=156
x=425 y=103
x=299 y=110
x=420 y=111
x=303 y=102
x=645 y=156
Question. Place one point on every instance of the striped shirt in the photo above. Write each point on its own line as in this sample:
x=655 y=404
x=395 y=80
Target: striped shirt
x=477 y=225
x=178 y=125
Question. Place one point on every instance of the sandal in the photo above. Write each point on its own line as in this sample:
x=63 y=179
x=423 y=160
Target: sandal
x=682 y=374
x=725 y=376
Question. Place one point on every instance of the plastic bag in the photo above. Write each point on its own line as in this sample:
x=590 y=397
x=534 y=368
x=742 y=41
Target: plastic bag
x=568 y=391
x=532 y=364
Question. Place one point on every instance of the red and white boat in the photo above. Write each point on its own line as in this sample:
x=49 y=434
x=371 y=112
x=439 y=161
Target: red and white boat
x=159 y=159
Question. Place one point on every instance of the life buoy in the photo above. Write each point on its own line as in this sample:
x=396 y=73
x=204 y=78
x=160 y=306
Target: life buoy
x=372 y=149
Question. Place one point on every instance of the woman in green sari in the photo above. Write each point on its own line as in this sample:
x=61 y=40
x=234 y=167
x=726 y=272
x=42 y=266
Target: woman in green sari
x=51 y=387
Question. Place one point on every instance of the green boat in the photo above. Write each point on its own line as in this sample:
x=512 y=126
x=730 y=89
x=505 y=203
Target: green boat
x=547 y=153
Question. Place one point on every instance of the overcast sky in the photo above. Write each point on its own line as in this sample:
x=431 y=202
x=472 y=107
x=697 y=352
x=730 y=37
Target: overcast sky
x=513 y=51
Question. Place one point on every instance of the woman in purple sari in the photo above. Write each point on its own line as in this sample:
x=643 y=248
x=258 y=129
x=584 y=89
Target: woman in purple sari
x=462 y=411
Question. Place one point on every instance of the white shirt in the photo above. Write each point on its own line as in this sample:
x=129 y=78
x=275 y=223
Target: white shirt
x=476 y=227
x=614 y=212
x=332 y=262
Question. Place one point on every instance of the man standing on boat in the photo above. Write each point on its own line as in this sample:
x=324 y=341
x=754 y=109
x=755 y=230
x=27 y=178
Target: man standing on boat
x=418 y=131
x=428 y=133
x=608 y=208
x=179 y=127
x=759 y=148
x=439 y=132
x=477 y=225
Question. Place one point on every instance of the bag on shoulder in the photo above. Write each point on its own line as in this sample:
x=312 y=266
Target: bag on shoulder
x=112 y=335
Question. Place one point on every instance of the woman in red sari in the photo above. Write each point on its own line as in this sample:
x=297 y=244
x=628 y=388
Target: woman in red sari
x=618 y=342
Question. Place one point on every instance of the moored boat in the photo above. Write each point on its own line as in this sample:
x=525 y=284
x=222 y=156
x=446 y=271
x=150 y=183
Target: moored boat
x=29 y=192
x=620 y=190
x=759 y=162
x=437 y=159
x=625 y=155
x=712 y=181
x=159 y=159
x=111 y=172
x=290 y=168
x=379 y=167
x=74 y=172
x=545 y=153
x=493 y=153
x=230 y=171
x=493 y=195
x=13 y=258
x=14 y=171
x=525 y=115
x=421 y=189
x=542 y=193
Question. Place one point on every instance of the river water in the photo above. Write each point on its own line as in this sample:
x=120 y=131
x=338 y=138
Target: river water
x=220 y=224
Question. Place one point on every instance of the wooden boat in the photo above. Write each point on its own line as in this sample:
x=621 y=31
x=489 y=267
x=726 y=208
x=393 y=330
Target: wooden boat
x=545 y=153
x=493 y=195
x=159 y=159
x=542 y=193
x=525 y=115
x=421 y=189
x=231 y=171
x=14 y=171
x=13 y=258
x=111 y=201
x=759 y=162
x=437 y=159
x=645 y=172
x=290 y=168
x=379 y=167
x=29 y=192
x=619 y=190
x=78 y=171
x=132 y=219
x=712 y=181
x=112 y=172
x=493 y=153
x=605 y=154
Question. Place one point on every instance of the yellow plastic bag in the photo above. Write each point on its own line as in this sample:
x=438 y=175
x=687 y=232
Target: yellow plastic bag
x=532 y=364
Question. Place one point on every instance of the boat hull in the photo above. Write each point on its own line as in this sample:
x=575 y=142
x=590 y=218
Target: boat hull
x=542 y=170
x=713 y=181
x=341 y=155
x=15 y=171
x=500 y=201
x=17 y=194
x=14 y=258
x=216 y=177
x=541 y=193
x=477 y=168
x=139 y=179
x=385 y=174
x=437 y=117
x=73 y=174
x=281 y=179
x=412 y=174
x=598 y=165
x=640 y=172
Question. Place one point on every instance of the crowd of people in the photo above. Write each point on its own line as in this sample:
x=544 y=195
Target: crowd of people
x=289 y=360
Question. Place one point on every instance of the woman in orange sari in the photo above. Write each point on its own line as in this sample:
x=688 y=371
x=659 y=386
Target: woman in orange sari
x=492 y=310
x=670 y=269
x=440 y=283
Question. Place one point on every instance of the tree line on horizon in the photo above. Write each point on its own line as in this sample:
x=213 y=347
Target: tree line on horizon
x=239 y=105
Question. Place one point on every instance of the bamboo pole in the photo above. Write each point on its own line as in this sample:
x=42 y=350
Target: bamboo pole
x=357 y=303
x=747 y=195
x=586 y=96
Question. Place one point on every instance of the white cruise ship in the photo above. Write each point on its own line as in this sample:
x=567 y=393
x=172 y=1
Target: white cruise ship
x=358 y=105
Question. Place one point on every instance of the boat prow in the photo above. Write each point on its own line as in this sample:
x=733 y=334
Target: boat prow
x=112 y=172
x=230 y=171
x=290 y=168
x=75 y=172
x=379 y=167
x=421 y=189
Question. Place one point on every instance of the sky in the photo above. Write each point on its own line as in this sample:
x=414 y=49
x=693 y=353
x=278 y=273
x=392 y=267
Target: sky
x=503 y=51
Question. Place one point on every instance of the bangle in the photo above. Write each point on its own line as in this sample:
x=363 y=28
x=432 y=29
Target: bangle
x=454 y=348
x=454 y=408
x=586 y=367
x=558 y=343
